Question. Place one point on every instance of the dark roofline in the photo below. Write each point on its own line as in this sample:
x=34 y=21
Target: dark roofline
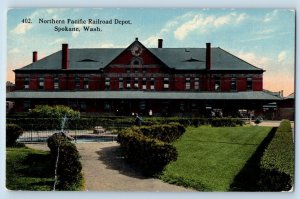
x=242 y=60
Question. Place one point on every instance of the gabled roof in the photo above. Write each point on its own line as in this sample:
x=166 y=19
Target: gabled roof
x=177 y=58
x=79 y=59
x=194 y=59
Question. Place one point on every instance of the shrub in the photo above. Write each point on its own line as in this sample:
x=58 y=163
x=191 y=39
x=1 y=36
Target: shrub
x=69 y=167
x=77 y=123
x=58 y=111
x=148 y=154
x=277 y=163
x=257 y=121
x=165 y=132
x=230 y=122
x=13 y=132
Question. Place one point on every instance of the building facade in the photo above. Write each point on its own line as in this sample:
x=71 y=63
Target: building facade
x=155 y=81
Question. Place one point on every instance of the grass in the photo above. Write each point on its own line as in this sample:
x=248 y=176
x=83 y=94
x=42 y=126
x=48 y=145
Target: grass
x=210 y=158
x=28 y=169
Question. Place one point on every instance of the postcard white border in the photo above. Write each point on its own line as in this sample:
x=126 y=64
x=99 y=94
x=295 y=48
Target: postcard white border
x=6 y=4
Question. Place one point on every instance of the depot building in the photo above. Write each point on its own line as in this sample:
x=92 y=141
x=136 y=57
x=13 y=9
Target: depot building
x=150 y=81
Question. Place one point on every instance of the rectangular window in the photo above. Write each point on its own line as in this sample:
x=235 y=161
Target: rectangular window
x=86 y=83
x=121 y=83
x=136 y=83
x=196 y=84
x=187 y=83
x=144 y=83
x=77 y=82
x=41 y=83
x=152 y=83
x=56 y=83
x=127 y=70
x=136 y=70
x=249 y=83
x=166 y=83
x=26 y=83
x=233 y=84
x=144 y=70
x=128 y=83
x=107 y=83
x=217 y=84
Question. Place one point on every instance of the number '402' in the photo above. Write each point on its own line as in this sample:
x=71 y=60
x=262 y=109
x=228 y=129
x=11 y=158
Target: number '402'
x=26 y=20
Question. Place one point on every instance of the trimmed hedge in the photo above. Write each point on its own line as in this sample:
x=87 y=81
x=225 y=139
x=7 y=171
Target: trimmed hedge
x=13 y=132
x=79 y=124
x=230 y=122
x=69 y=167
x=277 y=163
x=165 y=132
x=148 y=154
x=118 y=123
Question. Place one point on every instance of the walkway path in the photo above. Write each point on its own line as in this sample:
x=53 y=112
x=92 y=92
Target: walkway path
x=105 y=170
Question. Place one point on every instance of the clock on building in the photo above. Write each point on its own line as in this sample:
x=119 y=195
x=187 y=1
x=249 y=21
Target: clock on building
x=136 y=50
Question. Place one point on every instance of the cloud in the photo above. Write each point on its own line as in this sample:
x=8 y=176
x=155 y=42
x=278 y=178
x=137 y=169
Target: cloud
x=281 y=56
x=168 y=27
x=151 y=41
x=76 y=33
x=241 y=17
x=202 y=23
x=57 y=41
x=252 y=58
x=14 y=50
x=198 y=22
x=22 y=28
x=220 y=21
x=270 y=16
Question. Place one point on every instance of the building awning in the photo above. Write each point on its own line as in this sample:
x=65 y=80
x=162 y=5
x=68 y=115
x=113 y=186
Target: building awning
x=246 y=95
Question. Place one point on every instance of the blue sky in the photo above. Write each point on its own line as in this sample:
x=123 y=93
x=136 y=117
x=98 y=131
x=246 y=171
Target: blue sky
x=263 y=37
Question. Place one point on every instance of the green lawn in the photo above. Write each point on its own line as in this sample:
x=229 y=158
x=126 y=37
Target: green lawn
x=210 y=158
x=28 y=169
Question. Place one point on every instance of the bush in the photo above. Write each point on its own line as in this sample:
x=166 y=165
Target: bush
x=58 y=111
x=223 y=122
x=148 y=154
x=69 y=167
x=277 y=163
x=165 y=132
x=257 y=121
x=77 y=123
x=183 y=121
x=13 y=132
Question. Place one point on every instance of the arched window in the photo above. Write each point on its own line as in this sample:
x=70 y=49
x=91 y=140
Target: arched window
x=136 y=61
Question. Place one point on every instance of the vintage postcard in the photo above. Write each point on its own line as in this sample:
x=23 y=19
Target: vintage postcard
x=155 y=100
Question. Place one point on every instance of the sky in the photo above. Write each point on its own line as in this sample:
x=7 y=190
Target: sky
x=262 y=37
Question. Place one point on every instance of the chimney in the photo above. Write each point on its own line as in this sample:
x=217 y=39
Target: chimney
x=34 y=56
x=65 y=56
x=208 y=56
x=160 y=43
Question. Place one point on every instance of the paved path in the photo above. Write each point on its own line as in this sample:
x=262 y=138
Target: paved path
x=105 y=170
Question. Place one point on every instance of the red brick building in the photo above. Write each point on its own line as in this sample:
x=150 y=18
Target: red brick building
x=161 y=81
